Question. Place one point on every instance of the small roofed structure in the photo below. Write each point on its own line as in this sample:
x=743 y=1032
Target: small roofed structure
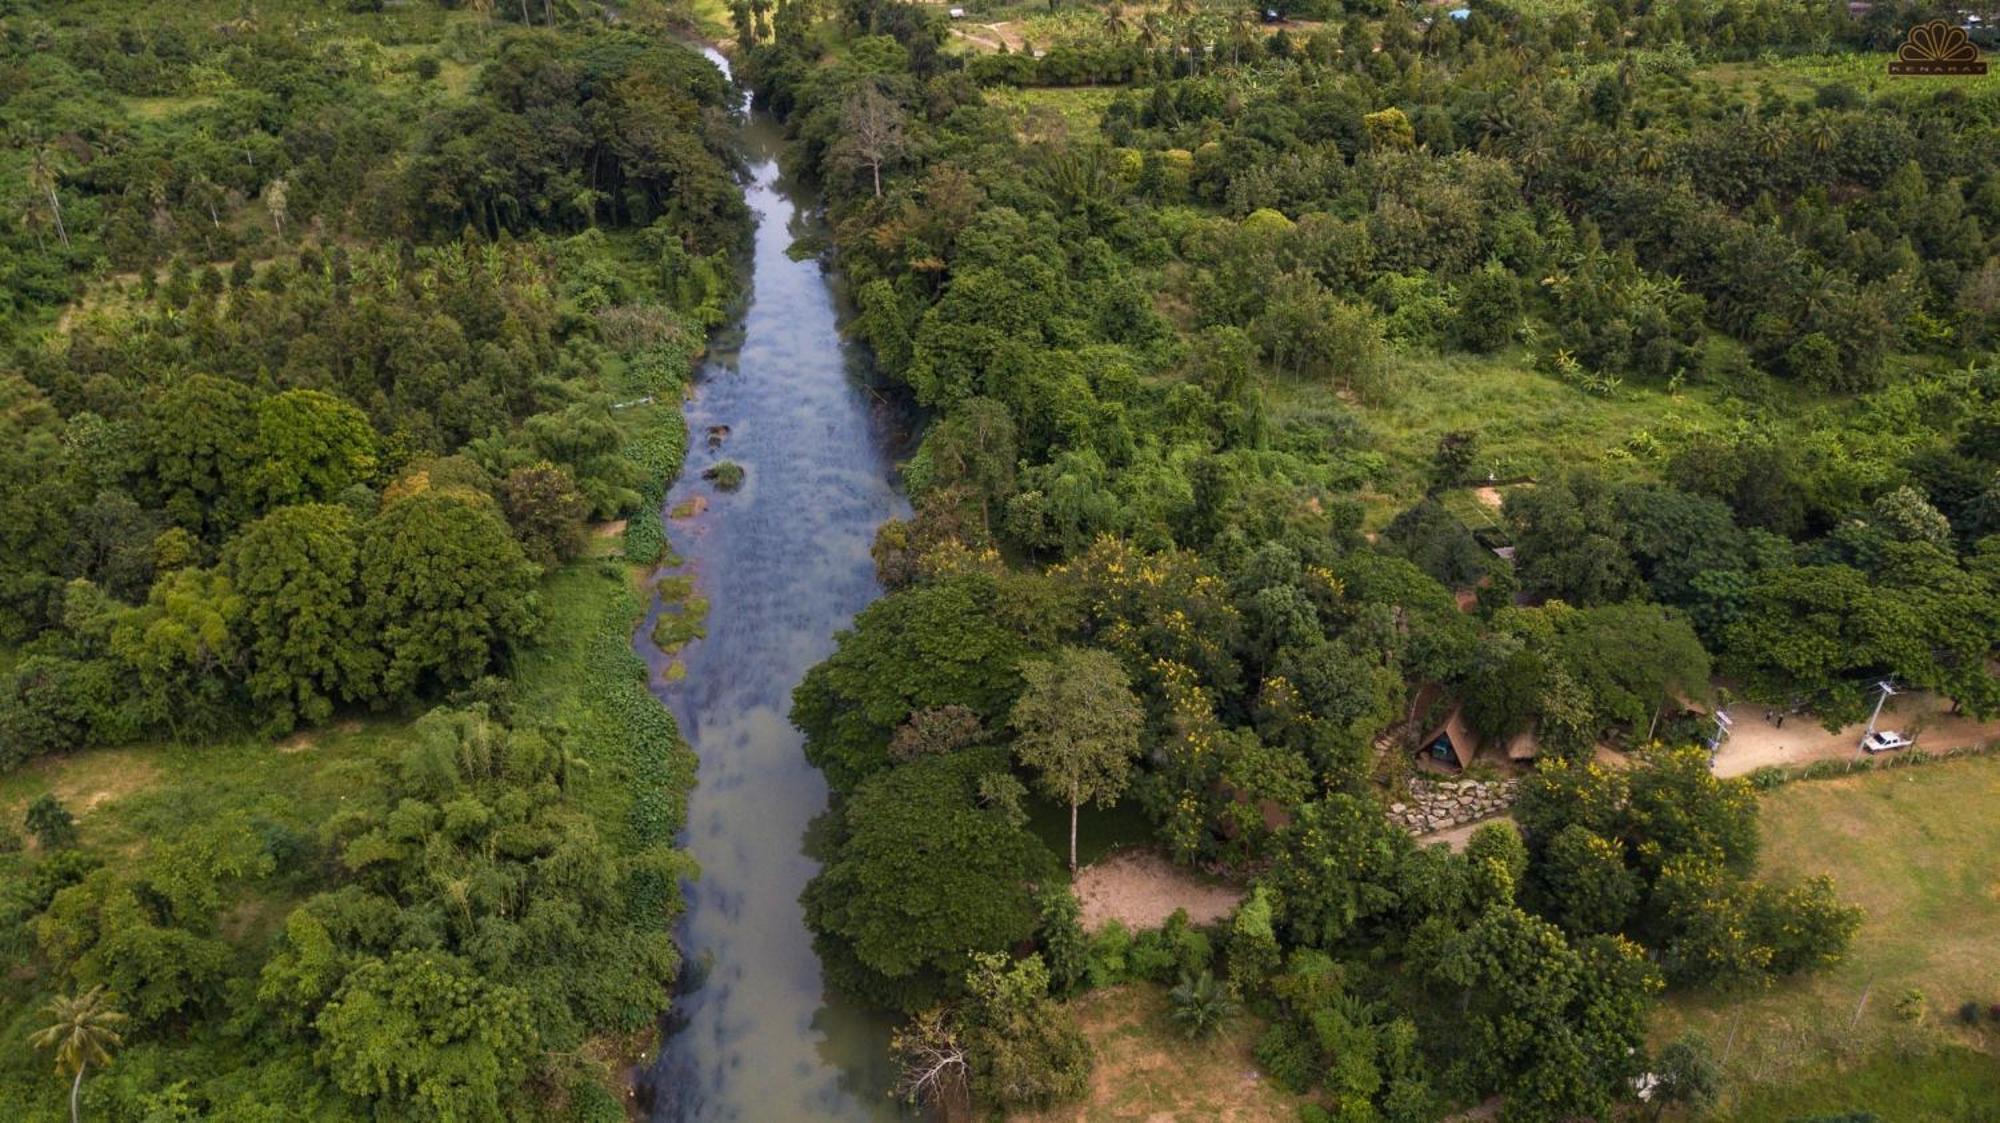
x=1451 y=746
x=1524 y=747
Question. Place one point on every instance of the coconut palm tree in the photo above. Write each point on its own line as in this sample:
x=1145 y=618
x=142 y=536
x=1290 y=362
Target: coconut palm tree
x=1151 y=34
x=1771 y=139
x=44 y=169
x=1115 y=23
x=83 y=1031
x=1650 y=154
x=1193 y=39
x=1583 y=147
x=1240 y=23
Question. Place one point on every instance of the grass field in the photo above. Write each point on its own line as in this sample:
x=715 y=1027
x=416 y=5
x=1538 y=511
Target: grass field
x=1803 y=75
x=1529 y=423
x=1146 y=1069
x=1915 y=848
x=1942 y=1085
x=1079 y=107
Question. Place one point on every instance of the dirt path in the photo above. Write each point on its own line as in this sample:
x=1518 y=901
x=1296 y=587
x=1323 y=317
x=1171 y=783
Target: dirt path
x=1140 y=889
x=988 y=36
x=1455 y=837
x=1756 y=742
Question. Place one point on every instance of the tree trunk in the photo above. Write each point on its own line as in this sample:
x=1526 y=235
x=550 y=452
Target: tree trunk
x=1072 y=835
x=876 y=168
x=75 y=1087
x=55 y=205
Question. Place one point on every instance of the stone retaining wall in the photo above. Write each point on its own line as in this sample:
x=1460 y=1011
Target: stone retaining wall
x=1436 y=805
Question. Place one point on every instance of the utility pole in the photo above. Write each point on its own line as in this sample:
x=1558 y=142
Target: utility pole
x=1887 y=690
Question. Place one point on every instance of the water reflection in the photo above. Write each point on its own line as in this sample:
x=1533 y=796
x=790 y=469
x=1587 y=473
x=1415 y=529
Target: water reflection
x=784 y=563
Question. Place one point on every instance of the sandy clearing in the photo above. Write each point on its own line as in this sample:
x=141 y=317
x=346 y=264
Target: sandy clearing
x=1758 y=742
x=1141 y=889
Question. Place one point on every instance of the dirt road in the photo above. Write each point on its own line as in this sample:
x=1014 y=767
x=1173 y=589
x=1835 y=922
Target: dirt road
x=1756 y=742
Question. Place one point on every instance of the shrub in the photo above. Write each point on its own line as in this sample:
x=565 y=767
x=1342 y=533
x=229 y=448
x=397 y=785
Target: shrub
x=51 y=823
x=1150 y=957
x=1289 y=1057
x=726 y=475
x=1201 y=1004
x=1912 y=1006
x=1062 y=939
x=1110 y=951
x=1252 y=951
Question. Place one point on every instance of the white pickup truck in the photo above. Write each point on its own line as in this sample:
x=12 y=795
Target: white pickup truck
x=1885 y=740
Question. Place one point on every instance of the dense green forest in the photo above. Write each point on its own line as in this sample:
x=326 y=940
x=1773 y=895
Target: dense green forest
x=328 y=333
x=1166 y=549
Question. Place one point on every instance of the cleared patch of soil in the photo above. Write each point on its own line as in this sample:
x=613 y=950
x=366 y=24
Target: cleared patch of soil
x=1757 y=741
x=1141 y=889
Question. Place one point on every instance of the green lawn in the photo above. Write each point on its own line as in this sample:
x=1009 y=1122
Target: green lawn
x=1916 y=849
x=1949 y=1085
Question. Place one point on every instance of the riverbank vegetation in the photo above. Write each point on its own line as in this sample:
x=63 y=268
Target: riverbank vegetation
x=324 y=754
x=1541 y=365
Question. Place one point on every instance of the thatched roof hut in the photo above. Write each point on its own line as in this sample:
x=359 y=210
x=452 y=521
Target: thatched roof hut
x=1451 y=746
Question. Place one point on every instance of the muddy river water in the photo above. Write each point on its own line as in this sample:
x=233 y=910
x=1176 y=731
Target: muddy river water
x=784 y=564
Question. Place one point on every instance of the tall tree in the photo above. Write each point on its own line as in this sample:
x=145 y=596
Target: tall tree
x=1077 y=725
x=295 y=571
x=445 y=589
x=44 y=169
x=83 y=1030
x=871 y=130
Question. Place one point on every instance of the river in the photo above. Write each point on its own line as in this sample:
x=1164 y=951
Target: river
x=784 y=564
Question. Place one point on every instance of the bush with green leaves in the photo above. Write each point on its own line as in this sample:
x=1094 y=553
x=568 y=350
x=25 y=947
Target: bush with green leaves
x=50 y=822
x=1200 y=1004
